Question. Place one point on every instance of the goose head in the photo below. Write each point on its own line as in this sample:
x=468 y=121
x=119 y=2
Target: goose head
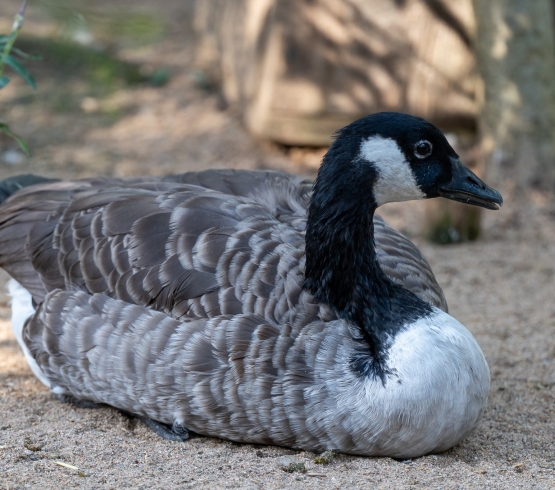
x=396 y=157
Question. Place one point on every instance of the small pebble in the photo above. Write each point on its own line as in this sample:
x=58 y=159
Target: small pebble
x=31 y=445
x=326 y=457
x=289 y=465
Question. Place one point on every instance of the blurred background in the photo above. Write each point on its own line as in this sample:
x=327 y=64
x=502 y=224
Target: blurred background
x=143 y=87
x=134 y=87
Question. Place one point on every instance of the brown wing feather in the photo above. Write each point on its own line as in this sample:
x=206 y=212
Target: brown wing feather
x=195 y=244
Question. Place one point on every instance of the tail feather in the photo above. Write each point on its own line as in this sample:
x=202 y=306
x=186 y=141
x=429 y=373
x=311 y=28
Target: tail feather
x=22 y=310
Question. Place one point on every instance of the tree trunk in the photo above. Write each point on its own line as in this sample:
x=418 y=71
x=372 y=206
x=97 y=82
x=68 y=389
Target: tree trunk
x=516 y=58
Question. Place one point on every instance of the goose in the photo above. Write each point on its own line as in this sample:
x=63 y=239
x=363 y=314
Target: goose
x=253 y=306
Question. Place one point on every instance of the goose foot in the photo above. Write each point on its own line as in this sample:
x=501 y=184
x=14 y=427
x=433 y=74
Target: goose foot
x=78 y=403
x=176 y=433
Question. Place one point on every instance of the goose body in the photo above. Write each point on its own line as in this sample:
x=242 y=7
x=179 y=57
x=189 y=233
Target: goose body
x=250 y=306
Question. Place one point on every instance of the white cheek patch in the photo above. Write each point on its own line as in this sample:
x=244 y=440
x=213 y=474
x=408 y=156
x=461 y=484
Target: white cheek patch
x=396 y=181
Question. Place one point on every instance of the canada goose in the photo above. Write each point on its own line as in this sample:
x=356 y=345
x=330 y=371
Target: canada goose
x=215 y=302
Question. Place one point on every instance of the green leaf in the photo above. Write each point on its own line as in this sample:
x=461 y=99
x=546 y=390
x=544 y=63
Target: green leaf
x=25 y=56
x=4 y=81
x=20 y=70
x=3 y=39
x=4 y=128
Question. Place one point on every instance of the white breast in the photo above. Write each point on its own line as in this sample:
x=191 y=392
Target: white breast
x=434 y=397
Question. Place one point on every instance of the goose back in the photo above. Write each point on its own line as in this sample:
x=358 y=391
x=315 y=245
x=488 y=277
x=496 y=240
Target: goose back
x=197 y=244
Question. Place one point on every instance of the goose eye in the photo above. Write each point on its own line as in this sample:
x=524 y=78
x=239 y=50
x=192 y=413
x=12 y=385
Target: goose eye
x=422 y=149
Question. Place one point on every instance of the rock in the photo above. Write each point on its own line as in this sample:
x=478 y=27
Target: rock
x=326 y=457
x=31 y=445
x=289 y=465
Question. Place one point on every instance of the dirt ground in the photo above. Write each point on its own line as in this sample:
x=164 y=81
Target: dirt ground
x=502 y=287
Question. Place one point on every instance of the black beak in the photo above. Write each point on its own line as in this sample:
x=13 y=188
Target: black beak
x=466 y=187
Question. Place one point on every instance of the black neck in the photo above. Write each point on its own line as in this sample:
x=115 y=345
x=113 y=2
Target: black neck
x=342 y=268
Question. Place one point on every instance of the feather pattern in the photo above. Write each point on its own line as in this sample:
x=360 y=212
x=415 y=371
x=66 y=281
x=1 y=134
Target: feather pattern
x=182 y=300
x=239 y=377
x=233 y=240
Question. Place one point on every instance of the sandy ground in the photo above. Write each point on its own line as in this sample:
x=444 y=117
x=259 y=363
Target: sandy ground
x=502 y=288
